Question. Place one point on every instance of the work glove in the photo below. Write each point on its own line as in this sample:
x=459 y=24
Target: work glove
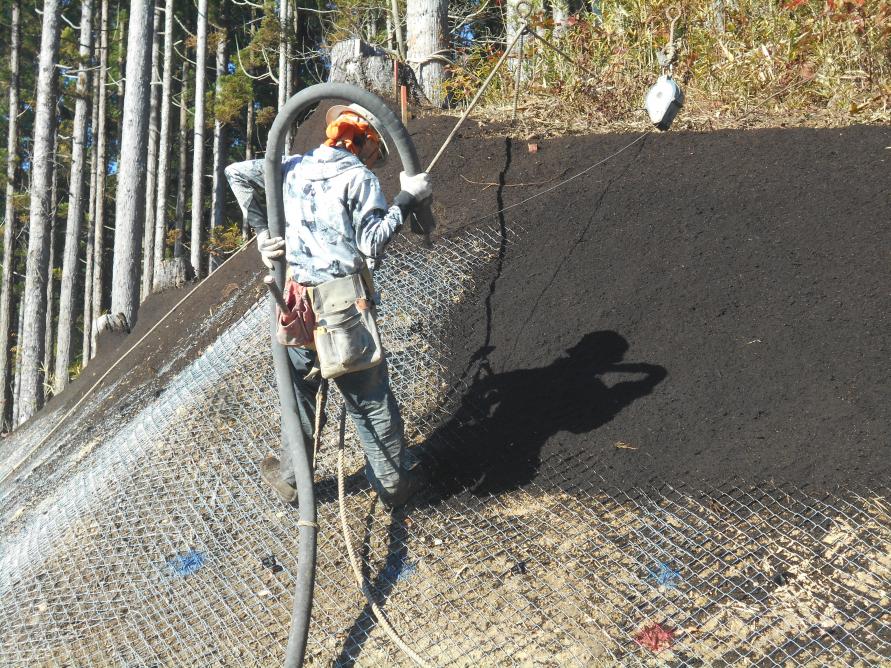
x=418 y=186
x=270 y=248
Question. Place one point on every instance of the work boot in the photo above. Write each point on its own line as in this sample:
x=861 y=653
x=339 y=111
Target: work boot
x=271 y=472
x=410 y=483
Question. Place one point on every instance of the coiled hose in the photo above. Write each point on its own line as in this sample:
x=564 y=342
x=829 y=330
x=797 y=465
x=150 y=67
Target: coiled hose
x=301 y=454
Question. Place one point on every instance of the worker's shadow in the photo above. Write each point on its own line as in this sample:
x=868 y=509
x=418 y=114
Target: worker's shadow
x=494 y=441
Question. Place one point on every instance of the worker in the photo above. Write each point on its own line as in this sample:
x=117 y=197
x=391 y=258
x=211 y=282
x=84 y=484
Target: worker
x=337 y=225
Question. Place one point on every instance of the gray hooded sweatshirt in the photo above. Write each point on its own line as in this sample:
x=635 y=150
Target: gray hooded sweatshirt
x=336 y=215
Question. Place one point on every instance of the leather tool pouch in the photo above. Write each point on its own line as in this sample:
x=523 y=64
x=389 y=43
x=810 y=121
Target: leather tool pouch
x=295 y=328
x=346 y=333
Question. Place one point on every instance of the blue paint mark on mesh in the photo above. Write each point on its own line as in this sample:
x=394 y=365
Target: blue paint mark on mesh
x=407 y=571
x=399 y=570
x=664 y=575
x=186 y=564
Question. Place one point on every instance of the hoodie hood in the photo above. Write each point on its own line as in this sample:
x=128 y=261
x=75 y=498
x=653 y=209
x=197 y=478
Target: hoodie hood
x=325 y=162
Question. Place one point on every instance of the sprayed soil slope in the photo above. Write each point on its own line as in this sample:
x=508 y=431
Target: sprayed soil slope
x=701 y=307
x=697 y=308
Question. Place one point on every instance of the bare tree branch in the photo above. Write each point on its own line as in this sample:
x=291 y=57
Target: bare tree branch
x=261 y=77
x=269 y=65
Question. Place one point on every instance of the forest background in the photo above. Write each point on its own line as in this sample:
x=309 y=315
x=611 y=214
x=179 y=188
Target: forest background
x=121 y=117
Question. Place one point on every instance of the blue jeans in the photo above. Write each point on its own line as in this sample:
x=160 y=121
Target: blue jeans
x=372 y=407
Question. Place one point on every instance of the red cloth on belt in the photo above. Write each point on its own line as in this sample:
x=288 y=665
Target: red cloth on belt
x=296 y=326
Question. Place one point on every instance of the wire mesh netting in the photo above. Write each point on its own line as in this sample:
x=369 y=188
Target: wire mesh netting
x=150 y=540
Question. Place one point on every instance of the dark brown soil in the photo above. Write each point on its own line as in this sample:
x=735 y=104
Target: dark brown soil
x=700 y=307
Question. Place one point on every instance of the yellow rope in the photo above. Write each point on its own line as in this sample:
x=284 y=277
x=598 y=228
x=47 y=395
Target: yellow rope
x=360 y=580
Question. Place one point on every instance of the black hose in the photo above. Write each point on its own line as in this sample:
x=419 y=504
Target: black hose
x=301 y=454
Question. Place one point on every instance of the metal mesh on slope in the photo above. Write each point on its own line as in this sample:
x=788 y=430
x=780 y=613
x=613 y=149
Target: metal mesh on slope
x=153 y=542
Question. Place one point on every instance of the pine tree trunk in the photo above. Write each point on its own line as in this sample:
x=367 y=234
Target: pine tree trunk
x=427 y=28
x=183 y=161
x=50 y=280
x=121 y=36
x=289 y=81
x=249 y=131
x=130 y=195
x=151 y=186
x=70 y=266
x=294 y=17
x=17 y=374
x=101 y=174
x=9 y=217
x=36 y=270
x=283 y=55
x=248 y=155
x=219 y=148
x=251 y=118
x=115 y=132
x=86 y=344
x=197 y=237
x=164 y=140
x=397 y=28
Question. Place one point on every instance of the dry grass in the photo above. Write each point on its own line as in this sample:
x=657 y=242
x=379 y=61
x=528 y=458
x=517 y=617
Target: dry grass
x=796 y=63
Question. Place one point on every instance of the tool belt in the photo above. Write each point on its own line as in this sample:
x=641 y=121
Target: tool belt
x=346 y=335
